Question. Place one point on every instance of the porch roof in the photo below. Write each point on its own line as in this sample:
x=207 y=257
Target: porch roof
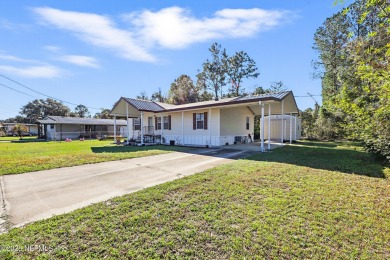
x=78 y=121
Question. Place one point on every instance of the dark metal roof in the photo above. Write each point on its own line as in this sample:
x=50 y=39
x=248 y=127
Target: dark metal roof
x=279 y=95
x=79 y=121
x=144 y=105
x=230 y=101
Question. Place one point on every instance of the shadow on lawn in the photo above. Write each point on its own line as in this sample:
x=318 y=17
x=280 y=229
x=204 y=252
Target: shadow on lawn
x=326 y=157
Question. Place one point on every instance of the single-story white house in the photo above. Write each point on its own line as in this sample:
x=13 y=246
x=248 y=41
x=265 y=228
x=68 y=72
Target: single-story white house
x=60 y=128
x=208 y=123
x=32 y=129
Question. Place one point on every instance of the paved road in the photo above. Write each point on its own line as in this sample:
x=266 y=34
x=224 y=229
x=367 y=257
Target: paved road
x=39 y=195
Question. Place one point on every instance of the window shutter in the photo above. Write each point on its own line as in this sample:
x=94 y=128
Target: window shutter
x=205 y=120
x=169 y=122
x=194 y=121
x=155 y=123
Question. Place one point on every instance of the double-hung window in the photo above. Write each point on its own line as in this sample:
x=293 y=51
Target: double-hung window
x=137 y=124
x=199 y=121
x=166 y=122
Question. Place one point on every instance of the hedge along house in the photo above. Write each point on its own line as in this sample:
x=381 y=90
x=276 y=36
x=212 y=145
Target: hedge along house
x=208 y=123
x=60 y=128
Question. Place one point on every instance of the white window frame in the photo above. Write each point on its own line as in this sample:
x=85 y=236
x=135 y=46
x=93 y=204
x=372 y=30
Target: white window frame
x=199 y=119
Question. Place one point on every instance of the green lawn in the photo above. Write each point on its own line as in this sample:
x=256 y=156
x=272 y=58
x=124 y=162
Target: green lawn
x=34 y=156
x=315 y=200
x=16 y=138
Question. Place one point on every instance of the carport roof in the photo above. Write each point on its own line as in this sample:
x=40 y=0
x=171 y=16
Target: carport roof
x=78 y=121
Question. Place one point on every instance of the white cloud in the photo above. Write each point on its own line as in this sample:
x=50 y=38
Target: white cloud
x=52 y=48
x=16 y=59
x=171 y=28
x=80 y=60
x=97 y=30
x=175 y=27
x=45 y=71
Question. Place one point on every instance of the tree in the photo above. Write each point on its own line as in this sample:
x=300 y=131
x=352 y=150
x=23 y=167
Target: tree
x=19 y=129
x=158 y=96
x=213 y=74
x=143 y=95
x=82 y=111
x=240 y=66
x=104 y=114
x=40 y=108
x=16 y=119
x=276 y=86
x=354 y=53
x=183 y=91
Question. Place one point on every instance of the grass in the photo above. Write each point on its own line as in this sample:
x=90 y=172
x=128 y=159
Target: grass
x=16 y=138
x=26 y=157
x=260 y=207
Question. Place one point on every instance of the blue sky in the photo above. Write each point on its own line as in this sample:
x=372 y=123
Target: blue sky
x=93 y=52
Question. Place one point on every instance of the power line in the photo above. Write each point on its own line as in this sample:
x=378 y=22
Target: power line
x=310 y=96
x=17 y=90
x=40 y=93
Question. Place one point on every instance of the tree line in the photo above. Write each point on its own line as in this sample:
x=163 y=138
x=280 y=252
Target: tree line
x=40 y=108
x=218 y=72
x=354 y=66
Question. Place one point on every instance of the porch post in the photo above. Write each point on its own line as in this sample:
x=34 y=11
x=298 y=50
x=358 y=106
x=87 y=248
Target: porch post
x=262 y=126
x=269 y=126
x=142 y=128
x=127 y=123
x=182 y=127
x=282 y=139
x=114 y=129
x=209 y=126
x=162 y=126
x=290 y=128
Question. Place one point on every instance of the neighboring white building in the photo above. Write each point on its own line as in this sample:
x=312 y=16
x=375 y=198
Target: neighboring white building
x=32 y=129
x=208 y=123
x=60 y=128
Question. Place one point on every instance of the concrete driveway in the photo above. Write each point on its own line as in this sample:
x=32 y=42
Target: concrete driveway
x=38 y=195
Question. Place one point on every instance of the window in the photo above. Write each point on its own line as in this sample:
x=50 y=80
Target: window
x=158 y=123
x=247 y=123
x=137 y=124
x=199 y=120
x=51 y=126
x=166 y=122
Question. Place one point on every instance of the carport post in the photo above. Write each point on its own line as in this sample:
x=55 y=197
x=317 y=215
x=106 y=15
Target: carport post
x=269 y=126
x=127 y=123
x=282 y=122
x=295 y=127
x=114 y=129
x=290 y=128
x=262 y=126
